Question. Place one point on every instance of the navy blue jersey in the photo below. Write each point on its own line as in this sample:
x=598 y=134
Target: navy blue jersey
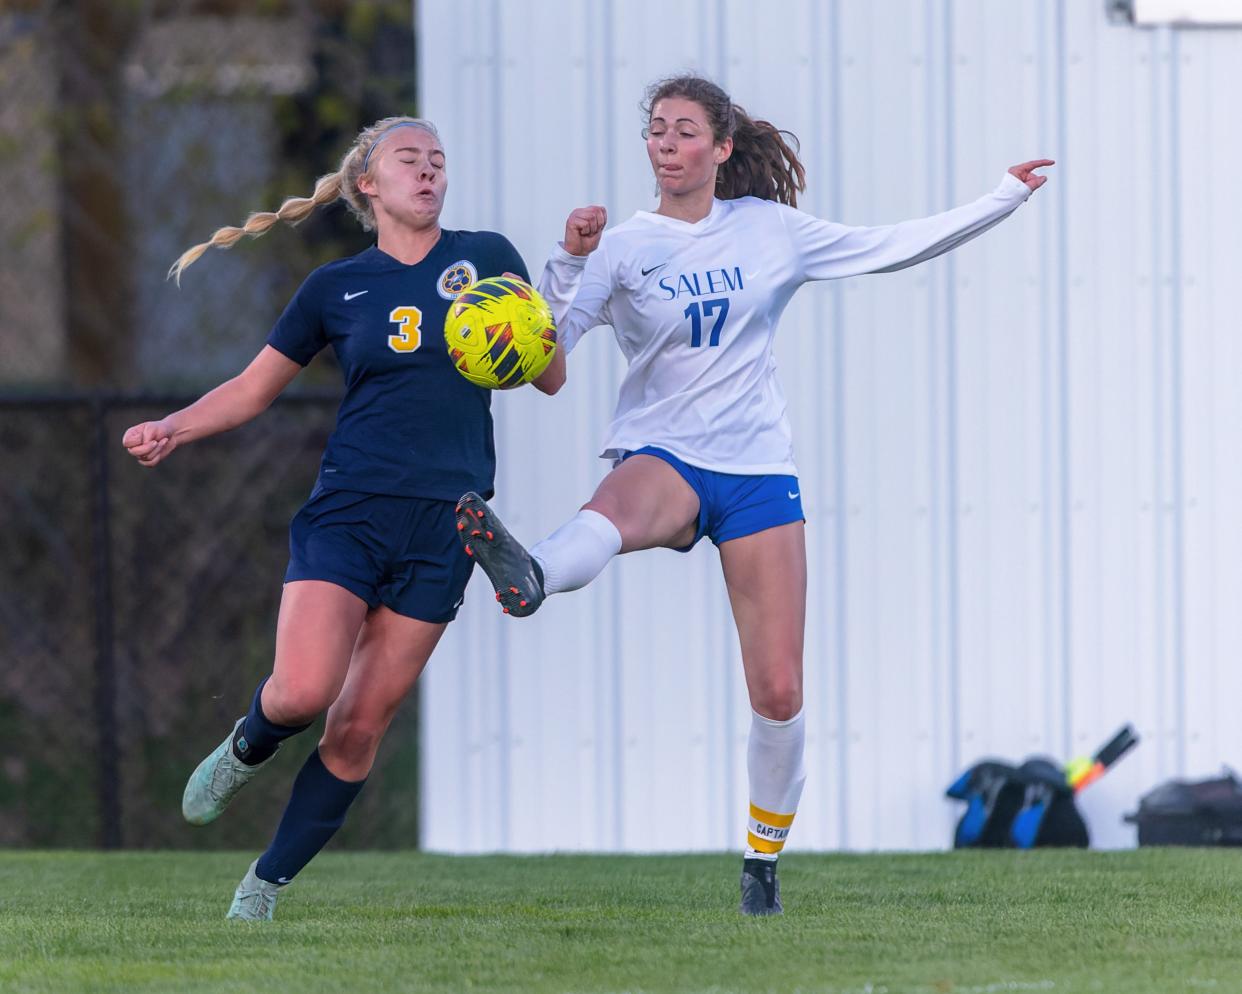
x=410 y=425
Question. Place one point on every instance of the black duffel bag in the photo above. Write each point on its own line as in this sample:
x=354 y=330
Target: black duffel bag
x=1016 y=806
x=1032 y=804
x=1191 y=813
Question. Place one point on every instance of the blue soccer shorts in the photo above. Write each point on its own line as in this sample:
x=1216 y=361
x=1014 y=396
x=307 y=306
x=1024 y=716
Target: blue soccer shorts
x=733 y=505
x=402 y=552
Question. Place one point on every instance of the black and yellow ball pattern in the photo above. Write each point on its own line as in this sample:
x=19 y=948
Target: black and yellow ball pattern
x=500 y=333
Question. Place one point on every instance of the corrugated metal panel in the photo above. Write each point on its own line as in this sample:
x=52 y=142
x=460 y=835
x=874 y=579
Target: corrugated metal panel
x=1018 y=461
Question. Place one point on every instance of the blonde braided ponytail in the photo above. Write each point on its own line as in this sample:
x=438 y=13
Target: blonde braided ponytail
x=341 y=184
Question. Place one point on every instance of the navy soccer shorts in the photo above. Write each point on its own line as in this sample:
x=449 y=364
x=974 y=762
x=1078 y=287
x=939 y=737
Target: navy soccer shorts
x=733 y=505
x=402 y=552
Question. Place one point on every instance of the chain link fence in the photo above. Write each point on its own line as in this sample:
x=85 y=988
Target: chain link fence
x=137 y=614
x=137 y=607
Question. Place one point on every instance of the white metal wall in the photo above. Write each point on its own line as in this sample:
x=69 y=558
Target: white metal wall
x=1020 y=462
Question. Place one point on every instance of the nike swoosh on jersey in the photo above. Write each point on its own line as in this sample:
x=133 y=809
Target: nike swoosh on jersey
x=648 y=272
x=794 y=494
x=358 y=293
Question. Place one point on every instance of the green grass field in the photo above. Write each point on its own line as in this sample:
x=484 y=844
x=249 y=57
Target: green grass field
x=1133 y=922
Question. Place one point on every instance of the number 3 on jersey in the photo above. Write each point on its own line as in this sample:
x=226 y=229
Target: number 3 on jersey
x=409 y=335
x=697 y=314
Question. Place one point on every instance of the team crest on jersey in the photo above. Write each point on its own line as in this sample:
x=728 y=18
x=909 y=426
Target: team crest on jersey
x=456 y=278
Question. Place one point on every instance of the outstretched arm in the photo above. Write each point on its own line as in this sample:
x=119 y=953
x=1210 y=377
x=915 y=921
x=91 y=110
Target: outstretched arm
x=832 y=251
x=232 y=403
x=562 y=283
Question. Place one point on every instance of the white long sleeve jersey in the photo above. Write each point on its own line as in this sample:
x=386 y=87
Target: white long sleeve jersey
x=695 y=309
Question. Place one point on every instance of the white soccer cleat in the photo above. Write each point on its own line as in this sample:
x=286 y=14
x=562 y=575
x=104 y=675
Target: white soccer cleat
x=216 y=782
x=255 y=899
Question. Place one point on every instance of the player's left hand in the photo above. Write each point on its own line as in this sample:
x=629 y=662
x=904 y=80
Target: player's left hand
x=1024 y=172
x=583 y=229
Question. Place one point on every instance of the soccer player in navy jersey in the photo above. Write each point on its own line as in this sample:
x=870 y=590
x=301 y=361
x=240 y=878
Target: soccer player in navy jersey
x=375 y=571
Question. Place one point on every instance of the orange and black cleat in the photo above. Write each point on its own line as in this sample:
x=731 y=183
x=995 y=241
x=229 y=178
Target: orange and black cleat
x=515 y=575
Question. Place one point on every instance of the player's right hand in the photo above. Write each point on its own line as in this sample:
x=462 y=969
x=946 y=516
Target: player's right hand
x=149 y=442
x=583 y=229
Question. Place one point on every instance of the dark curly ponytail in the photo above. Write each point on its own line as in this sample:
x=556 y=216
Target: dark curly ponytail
x=764 y=162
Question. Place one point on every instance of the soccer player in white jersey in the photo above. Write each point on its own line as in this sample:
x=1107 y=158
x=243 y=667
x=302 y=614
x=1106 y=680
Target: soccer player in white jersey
x=700 y=441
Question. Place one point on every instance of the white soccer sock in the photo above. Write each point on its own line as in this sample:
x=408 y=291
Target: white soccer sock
x=573 y=555
x=774 y=761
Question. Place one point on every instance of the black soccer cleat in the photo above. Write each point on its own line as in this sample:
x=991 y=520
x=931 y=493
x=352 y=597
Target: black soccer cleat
x=515 y=575
x=761 y=891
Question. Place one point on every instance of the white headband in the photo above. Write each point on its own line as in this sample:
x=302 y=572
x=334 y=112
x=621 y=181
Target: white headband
x=424 y=125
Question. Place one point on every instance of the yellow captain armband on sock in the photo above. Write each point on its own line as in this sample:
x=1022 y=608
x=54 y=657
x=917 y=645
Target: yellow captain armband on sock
x=767 y=830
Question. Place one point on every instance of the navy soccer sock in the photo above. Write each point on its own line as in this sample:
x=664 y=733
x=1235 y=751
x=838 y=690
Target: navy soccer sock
x=257 y=738
x=316 y=809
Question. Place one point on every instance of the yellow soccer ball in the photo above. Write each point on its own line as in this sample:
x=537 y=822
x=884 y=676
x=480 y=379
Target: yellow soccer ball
x=500 y=333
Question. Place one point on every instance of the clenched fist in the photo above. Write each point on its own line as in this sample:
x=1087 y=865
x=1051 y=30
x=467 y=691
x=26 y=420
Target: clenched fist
x=583 y=229
x=149 y=442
